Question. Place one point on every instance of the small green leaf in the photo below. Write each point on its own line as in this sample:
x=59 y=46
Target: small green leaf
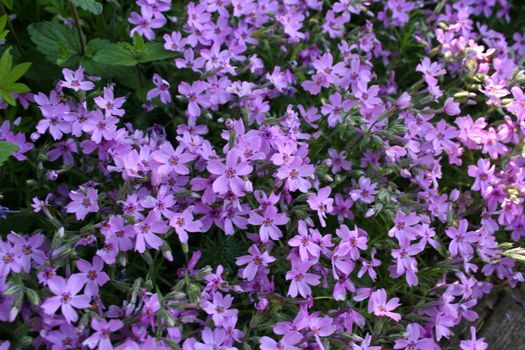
x=89 y=5
x=18 y=72
x=3 y=22
x=116 y=54
x=6 y=149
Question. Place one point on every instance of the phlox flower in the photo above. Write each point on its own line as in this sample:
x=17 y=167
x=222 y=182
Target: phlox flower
x=66 y=297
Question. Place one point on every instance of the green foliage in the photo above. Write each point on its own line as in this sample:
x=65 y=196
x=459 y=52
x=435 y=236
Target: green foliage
x=9 y=76
x=6 y=149
x=89 y=5
x=3 y=31
x=7 y=3
x=125 y=54
x=57 y=42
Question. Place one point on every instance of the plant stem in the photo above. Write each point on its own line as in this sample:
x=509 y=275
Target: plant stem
x=79 y=28
x=12 y=29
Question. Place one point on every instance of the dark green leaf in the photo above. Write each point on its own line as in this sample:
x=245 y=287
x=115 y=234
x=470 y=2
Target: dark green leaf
x=155 y=52
x=6 y=149
x=7 y=3
x=89 y=5
x=116 y=54
x=52 y=39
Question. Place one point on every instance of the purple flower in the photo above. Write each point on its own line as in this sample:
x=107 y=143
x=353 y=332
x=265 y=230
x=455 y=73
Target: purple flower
x=473 y=343
x=322 y=203
x=286 y=343
x=269 y=223
x=338 y=161
x=26 y=249
x=254 y=262
x=8 y=261
x=64 y=149
x=146 y=22
x=304 y=242
x=103 y=330
x=66 y=297
x=109 y=103
x=366 y=191
x=184 y=223
x=404 y=226
x=100 y=126
x=483 y=173
x=213 y=340
x=414 y=340
x=75 y=80
x=301 y=280
x=229 y=175
x=172 y=160
x=92 y=275
x=161 y=89
x=461 y=239
x=147 y=231
x=83 y=203
x=353 y=240
x=196 y=96
x=295 y=175
x=379 y=305
x=219 y=308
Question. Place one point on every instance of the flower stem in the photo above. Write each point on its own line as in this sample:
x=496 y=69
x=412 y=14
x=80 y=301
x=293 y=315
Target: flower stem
x=79 y=28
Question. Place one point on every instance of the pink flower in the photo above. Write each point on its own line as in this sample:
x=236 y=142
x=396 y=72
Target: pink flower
x=83 y=203
x=229 y=175
x=322 y=203
x=301 y=280
x=295 y=174
x=380 y=307
x=196 y=96
x=269 y=223
x=66 y=297
x=92 y=275
x=103 y=330
x=146 y=232
x=461 y=239
x=184 y=223
x=483 y=174
x=109 y=103
x=100 y=126
x=172 y=160
x=219 y=308
x=253 y=262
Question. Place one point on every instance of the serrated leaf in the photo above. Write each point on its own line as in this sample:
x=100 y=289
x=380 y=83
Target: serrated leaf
x=51 y=38
x=6 y=149
x=116 y=54
x=89 y=5
x=155 y=52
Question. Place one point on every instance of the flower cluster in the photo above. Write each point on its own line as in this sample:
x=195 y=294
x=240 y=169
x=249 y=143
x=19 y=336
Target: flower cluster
x=291 y=181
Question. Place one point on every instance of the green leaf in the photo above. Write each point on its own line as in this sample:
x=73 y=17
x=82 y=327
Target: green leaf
x=6 y=149
x=155 y=52
x=18 y=71
x=52 y=39
x=3 y=22
x=89 y=5
x=116 y=54
x=7 y=3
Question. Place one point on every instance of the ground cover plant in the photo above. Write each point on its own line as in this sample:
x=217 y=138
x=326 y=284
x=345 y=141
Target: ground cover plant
x=258 y=174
